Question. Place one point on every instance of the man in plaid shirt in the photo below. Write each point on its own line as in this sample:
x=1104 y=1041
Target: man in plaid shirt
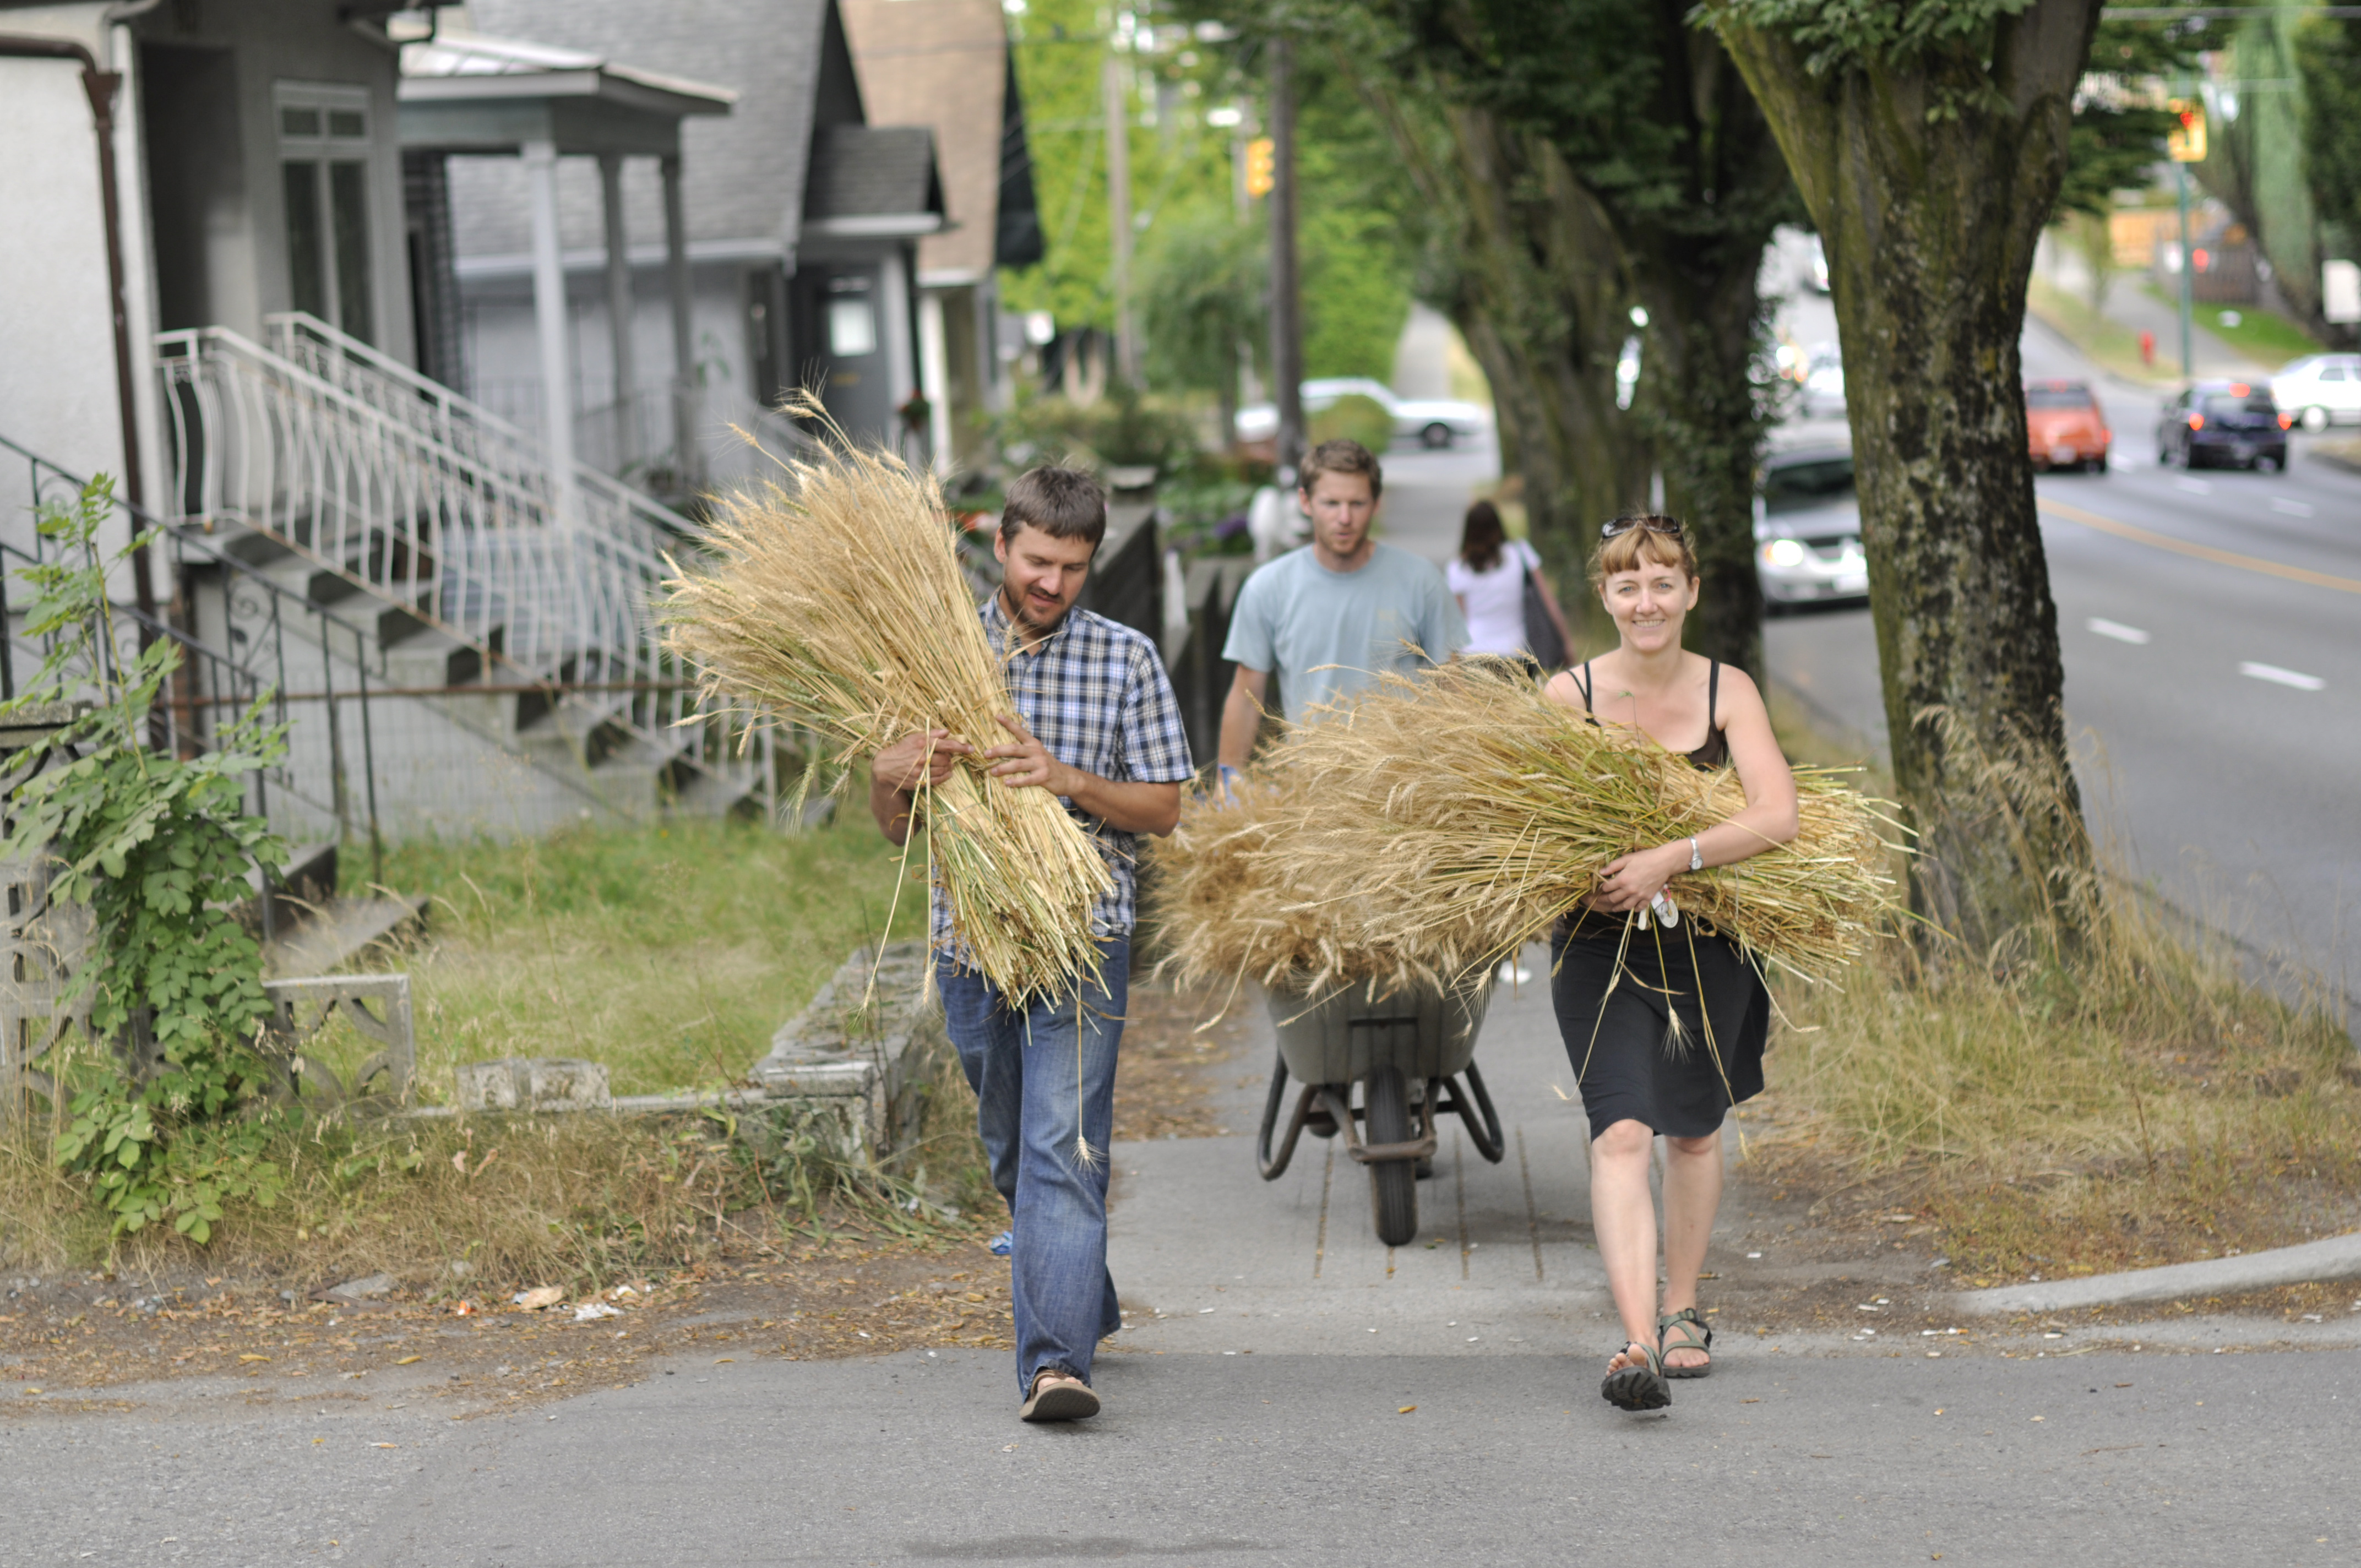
x=1096 y=724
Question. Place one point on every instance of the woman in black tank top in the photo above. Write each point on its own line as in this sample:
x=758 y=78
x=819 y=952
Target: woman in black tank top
x=1664 y=1021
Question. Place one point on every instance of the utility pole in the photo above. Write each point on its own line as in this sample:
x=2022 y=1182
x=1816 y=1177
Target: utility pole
x=2188 y=281
x=1118 y=155
x=1286 y=302
x=2185 y=146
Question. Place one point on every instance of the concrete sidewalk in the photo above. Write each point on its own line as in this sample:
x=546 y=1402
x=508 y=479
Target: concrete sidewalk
x=1210 y=1257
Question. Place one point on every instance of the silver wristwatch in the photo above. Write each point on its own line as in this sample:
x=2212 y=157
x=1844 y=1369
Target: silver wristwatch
x=1696 y=857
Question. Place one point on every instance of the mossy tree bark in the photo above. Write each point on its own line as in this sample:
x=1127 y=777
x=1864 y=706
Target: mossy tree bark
x=1679 y=185
x=1930 y=166
x=1526 y=268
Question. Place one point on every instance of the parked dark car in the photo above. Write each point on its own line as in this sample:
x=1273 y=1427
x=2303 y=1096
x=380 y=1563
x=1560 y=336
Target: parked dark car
x=2224 y=423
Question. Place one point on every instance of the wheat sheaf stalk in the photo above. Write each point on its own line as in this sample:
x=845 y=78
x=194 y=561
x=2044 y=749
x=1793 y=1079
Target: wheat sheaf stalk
x=833 y=596
x=1426 y=829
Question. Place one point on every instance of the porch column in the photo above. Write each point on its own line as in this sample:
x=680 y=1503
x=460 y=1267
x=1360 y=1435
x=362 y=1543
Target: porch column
x=550 y=326
x=934 y=377
x=684 y=345
x=619 y=315
x=896 y=337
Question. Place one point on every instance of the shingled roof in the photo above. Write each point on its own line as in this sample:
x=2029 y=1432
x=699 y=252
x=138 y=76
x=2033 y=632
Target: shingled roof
x=788 y=64
x=863 y=171
x=945 y=63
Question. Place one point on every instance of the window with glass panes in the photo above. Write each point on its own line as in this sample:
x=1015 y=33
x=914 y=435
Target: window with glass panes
x=324 y=153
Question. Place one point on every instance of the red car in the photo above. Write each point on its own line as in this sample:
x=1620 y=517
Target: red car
x=2066 y=426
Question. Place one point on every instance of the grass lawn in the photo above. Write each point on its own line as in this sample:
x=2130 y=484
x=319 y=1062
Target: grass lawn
x=669 y=952
x=2265 y=336
x=2111 y=344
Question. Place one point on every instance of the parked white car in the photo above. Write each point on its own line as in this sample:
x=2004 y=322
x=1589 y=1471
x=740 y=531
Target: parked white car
x=2320 y=390
x=1432 y=421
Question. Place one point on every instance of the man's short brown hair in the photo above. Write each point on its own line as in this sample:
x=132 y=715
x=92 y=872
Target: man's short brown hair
x=1064 y=503
x=1341 y=456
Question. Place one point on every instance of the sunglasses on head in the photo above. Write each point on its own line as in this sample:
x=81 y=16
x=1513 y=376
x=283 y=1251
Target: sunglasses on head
x=1670 y=527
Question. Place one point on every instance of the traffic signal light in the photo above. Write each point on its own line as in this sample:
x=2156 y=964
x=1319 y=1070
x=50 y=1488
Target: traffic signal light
x=1258 y=167
x=2186 y=142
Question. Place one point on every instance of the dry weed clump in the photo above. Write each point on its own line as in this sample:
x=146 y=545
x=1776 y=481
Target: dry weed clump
x=2107 y=1086
x=1442 y=820
x=836 y=598
x=581 y=1197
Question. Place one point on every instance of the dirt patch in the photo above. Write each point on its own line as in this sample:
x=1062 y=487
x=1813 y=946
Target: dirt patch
x=1170 y=1067
x=69 y=1339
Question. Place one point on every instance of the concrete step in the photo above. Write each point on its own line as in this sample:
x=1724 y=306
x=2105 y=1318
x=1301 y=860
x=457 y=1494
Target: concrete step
x=707 y=794
x=305 y=882
x=339 y=931
x=429 y=657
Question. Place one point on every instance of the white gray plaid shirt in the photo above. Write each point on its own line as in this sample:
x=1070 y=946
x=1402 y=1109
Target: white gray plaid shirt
x=1095 y=693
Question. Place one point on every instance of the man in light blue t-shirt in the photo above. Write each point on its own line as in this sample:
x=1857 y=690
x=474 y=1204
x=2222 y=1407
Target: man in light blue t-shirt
x=1343 y=600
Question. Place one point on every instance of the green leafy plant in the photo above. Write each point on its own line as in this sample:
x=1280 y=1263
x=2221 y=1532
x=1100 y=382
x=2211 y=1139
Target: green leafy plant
x=173 y=1122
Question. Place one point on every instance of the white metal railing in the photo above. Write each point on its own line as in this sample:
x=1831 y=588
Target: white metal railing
x=449 y=419
x=428 y=502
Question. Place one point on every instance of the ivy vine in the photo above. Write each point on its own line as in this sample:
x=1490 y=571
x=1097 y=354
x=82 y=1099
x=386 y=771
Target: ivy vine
x=171 y=1121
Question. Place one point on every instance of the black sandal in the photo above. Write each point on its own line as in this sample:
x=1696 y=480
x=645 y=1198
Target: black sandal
x=1640 y=1388
x=1690 y=1325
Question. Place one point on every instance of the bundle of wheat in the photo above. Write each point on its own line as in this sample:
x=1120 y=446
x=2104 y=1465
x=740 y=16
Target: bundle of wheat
x=1430 y=828
x=835 y=599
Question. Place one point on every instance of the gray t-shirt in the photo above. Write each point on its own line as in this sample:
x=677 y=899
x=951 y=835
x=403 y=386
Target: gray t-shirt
x=1295 y=615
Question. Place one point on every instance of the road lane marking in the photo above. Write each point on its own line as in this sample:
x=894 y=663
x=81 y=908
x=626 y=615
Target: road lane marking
x=2194 y=487
x=2272 y=673
x=2292 y=509
x=2200 y=552
x=2118 y=630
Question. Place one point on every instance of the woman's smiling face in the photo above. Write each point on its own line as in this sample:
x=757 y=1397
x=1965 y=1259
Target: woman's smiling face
x=1649 y=603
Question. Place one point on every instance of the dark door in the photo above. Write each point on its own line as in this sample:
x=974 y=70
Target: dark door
x=840 y=346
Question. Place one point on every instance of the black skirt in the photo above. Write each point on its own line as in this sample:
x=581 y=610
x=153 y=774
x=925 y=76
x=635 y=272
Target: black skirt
x=1633 y=1061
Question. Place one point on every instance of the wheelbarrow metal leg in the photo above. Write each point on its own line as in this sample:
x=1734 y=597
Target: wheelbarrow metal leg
x=1274 y=1167
x=1468 y=1100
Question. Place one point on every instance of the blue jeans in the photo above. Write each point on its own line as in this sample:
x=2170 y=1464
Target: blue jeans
x=1030 y=1106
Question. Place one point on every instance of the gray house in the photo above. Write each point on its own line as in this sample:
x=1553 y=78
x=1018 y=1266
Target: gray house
x=801 y=218
x=233 y=289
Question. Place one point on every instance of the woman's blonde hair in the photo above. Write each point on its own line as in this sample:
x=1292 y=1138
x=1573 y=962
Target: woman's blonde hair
x=1637 y=537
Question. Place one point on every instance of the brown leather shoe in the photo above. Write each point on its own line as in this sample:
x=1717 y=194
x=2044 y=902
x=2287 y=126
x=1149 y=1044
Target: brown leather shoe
x=1059 y=1398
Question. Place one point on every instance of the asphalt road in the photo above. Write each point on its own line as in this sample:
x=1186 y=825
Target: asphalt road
x=2109 y=1458
x=1256 y=1413
x=2211 y=626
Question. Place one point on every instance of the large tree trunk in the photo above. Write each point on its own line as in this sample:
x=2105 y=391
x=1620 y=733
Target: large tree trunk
x=1930 y=179
x=1539 y=295
x=1697 y=268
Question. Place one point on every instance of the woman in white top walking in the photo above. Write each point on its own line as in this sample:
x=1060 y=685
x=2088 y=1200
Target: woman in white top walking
x=1488 y=577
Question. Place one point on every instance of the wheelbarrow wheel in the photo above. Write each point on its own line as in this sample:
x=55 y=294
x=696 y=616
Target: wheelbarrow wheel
x=1393 y=1183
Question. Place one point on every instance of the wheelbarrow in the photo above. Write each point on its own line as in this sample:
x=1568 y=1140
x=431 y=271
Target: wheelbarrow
x=1412 y=1056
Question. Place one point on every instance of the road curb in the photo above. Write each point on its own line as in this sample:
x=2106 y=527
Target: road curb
x=2337 y=1257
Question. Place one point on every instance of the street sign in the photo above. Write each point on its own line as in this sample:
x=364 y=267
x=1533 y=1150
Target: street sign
x=2187 y=144
x=1258 y=167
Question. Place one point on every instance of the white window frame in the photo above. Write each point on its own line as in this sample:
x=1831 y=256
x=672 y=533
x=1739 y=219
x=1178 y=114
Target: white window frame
x=321 y=151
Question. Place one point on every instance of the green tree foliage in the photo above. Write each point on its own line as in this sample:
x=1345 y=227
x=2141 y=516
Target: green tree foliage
x=156 y=848
x=2119 y=128
x=1357 y=267
x=1658 y=133
x=2328 y=62
x=1205 y=283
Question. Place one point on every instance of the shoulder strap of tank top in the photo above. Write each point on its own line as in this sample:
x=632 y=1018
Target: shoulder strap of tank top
x=1582 y=682
x=1712 y=692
